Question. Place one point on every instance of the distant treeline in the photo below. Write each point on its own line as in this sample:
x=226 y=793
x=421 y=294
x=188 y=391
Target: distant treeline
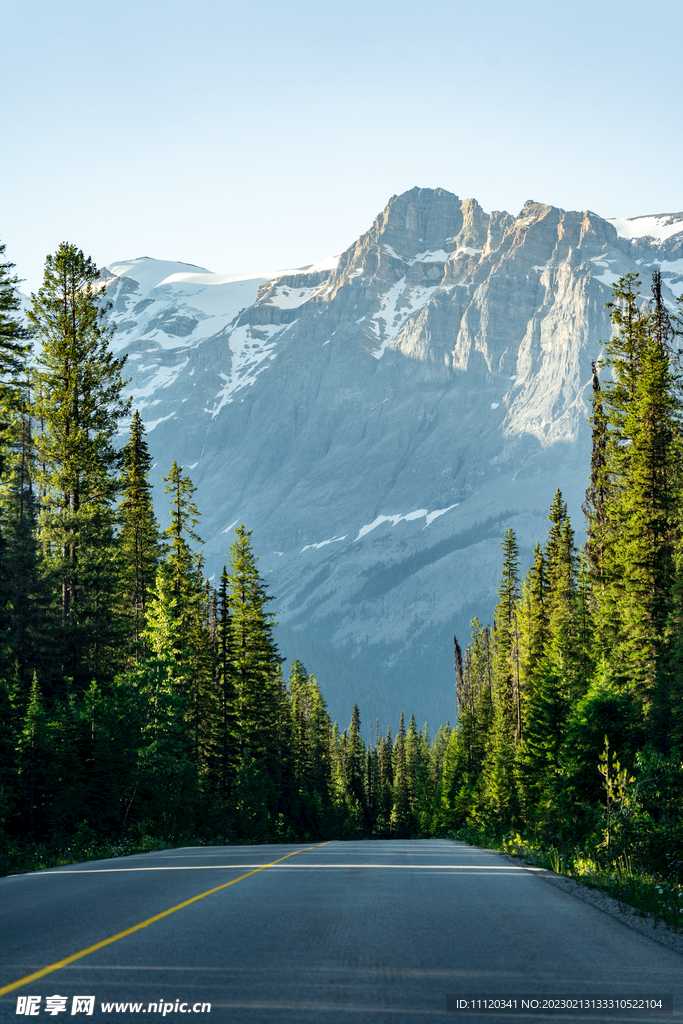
x=137 y=700
x=570 y=721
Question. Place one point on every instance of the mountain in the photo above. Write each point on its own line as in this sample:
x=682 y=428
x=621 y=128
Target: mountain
x=380 y=418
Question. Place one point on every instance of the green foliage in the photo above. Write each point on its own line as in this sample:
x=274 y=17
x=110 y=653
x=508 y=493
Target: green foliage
x=255 y=657
x=14 y=338
x=139 y=705
x=77 y=388
x=139 y=542
x=578 y=746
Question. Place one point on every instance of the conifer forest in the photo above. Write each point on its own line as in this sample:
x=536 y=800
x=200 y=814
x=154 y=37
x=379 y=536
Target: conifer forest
x=141 y=703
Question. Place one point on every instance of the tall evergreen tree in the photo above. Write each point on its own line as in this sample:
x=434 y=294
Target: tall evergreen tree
x=648 y=509
x=403 y=824
x=139 y=540
x=561 y=562
x=594 y=507
x=34 y=764
x=14 y=337
x=355 y=760
x=226 y=687
x=506 y=694
x=79 y=402
x=16 y=543
x=642 y=413
x=255 y=655
x=26 y=649
x=178 y=621
x=177 y=599
x=534 y=626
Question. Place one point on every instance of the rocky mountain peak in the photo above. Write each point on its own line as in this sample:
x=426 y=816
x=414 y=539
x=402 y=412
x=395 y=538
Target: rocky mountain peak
x=420 y=219
x=378 y=423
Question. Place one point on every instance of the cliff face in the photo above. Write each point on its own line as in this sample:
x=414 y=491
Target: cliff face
x=378 y=420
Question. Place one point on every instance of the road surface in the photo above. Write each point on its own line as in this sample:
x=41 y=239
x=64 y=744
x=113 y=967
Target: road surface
x=369 y=932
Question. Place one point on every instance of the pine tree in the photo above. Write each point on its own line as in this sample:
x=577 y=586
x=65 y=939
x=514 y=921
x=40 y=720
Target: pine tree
x=462 y=758
x=14 y=339
x=301 y=716
x=226 y=688
x=553 y=675
x=384 y=795
x=205 y=715
x=584 y=619
x=78 y=398
x=177 y=599
x=355 y=760
x=642 y=411
x=15 y=545
x=310 y=752
x=183 y=561
x=256 y=662
x=26 y=648
x=10 y=730
x=372 y=787
x=34 y=757
x=139 y=542
x=594 y=507
x=319 y=732
x=178 y=622
x=506 y=695
x=419 y=774
x=649 y=506
x=14 y=349
x=624 y=356
x=403 y=824
x=561 y=567
x=534 y=624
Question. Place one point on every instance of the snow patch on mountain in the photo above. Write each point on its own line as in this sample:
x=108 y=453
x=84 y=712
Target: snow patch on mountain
x=467 y=249
x=320 y=544
x=428 y=256
x=286 y=297
x=660 y=227
x=398 y=304
x=431 y=516
x=175 y=305
x=480 y=409
x=250 y=347
x=420 y=513
x=330 y=263
x=151 y=424
x=148 y=273
x=606 y=276
x=163 y=377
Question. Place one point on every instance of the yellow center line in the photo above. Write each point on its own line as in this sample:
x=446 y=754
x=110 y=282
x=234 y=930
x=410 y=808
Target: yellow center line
x=144 y=924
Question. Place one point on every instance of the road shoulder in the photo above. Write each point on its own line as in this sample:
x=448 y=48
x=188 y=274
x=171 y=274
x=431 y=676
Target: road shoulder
x=652 y=927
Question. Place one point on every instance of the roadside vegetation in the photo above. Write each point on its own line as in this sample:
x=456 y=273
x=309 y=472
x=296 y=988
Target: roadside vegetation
x=143 y=706
x=651 y=895
x=570 y=722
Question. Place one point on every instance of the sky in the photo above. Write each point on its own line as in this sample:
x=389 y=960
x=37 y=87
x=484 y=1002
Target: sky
x=257 y=136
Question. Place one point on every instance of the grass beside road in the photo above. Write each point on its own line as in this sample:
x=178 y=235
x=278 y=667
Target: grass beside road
x=17 y=857
x=649 y=894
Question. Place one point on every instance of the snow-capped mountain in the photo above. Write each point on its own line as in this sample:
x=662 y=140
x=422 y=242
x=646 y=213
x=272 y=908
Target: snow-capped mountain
x=380 y=418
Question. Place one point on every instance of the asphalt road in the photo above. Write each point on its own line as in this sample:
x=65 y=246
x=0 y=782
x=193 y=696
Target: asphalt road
x=366 y=932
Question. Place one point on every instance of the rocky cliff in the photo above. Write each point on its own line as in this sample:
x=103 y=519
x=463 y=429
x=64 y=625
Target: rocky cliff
x=379 y=419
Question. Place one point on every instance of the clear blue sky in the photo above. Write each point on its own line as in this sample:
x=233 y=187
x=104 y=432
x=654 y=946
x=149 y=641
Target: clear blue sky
x=261 y=135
